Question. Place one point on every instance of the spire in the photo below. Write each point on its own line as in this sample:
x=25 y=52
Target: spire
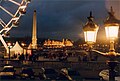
x=34 y=31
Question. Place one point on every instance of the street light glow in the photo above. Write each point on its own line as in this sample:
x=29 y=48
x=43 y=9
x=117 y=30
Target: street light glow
x=90 y=36
x=112 y=32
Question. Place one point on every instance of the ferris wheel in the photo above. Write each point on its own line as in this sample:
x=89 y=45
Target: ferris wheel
x=11 y=19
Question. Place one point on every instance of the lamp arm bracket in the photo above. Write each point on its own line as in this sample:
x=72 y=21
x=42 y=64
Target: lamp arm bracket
x=99 y=52
x=105 y=54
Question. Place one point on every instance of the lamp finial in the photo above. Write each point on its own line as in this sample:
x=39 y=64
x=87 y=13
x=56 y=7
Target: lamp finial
x=90 y=18
x=111 y=10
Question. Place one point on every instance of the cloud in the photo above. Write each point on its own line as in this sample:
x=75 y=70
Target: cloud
x=60 y=18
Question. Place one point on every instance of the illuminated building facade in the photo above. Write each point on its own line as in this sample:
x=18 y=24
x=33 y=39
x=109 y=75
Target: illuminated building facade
x=57 y=44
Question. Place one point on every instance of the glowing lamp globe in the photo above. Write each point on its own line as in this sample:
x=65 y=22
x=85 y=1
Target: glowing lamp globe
x=90 y=30
x=112 y=31
x=111 y=26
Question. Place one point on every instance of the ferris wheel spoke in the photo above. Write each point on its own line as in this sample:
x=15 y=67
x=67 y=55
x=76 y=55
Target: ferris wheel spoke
x=15 y=2
x=16 y=13
x=15 y=22
x=21 y=10
x=7 y=30
x=15 y=18
x=2 y=23
x=2 y=32
x=7 y=11
x=4 y=43
x=8 y=23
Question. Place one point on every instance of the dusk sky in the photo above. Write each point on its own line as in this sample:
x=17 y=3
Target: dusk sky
x=57 y=19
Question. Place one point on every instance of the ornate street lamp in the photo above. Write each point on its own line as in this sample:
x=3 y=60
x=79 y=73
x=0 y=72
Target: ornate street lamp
x=90 y=32
x=111 y=27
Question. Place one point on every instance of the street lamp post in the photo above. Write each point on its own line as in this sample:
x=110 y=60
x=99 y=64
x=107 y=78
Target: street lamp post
x=9 y=52
x=9 y=46
x=111 y=27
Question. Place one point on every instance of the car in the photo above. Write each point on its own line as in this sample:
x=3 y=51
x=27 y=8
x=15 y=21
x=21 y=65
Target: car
x=104 y=75
x=27 y=73
x=8 y=72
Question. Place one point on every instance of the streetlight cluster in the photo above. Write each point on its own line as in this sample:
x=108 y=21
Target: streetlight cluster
x=111 y=27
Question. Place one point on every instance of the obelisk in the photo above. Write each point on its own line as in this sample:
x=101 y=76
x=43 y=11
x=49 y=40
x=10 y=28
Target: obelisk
x=34 y=31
